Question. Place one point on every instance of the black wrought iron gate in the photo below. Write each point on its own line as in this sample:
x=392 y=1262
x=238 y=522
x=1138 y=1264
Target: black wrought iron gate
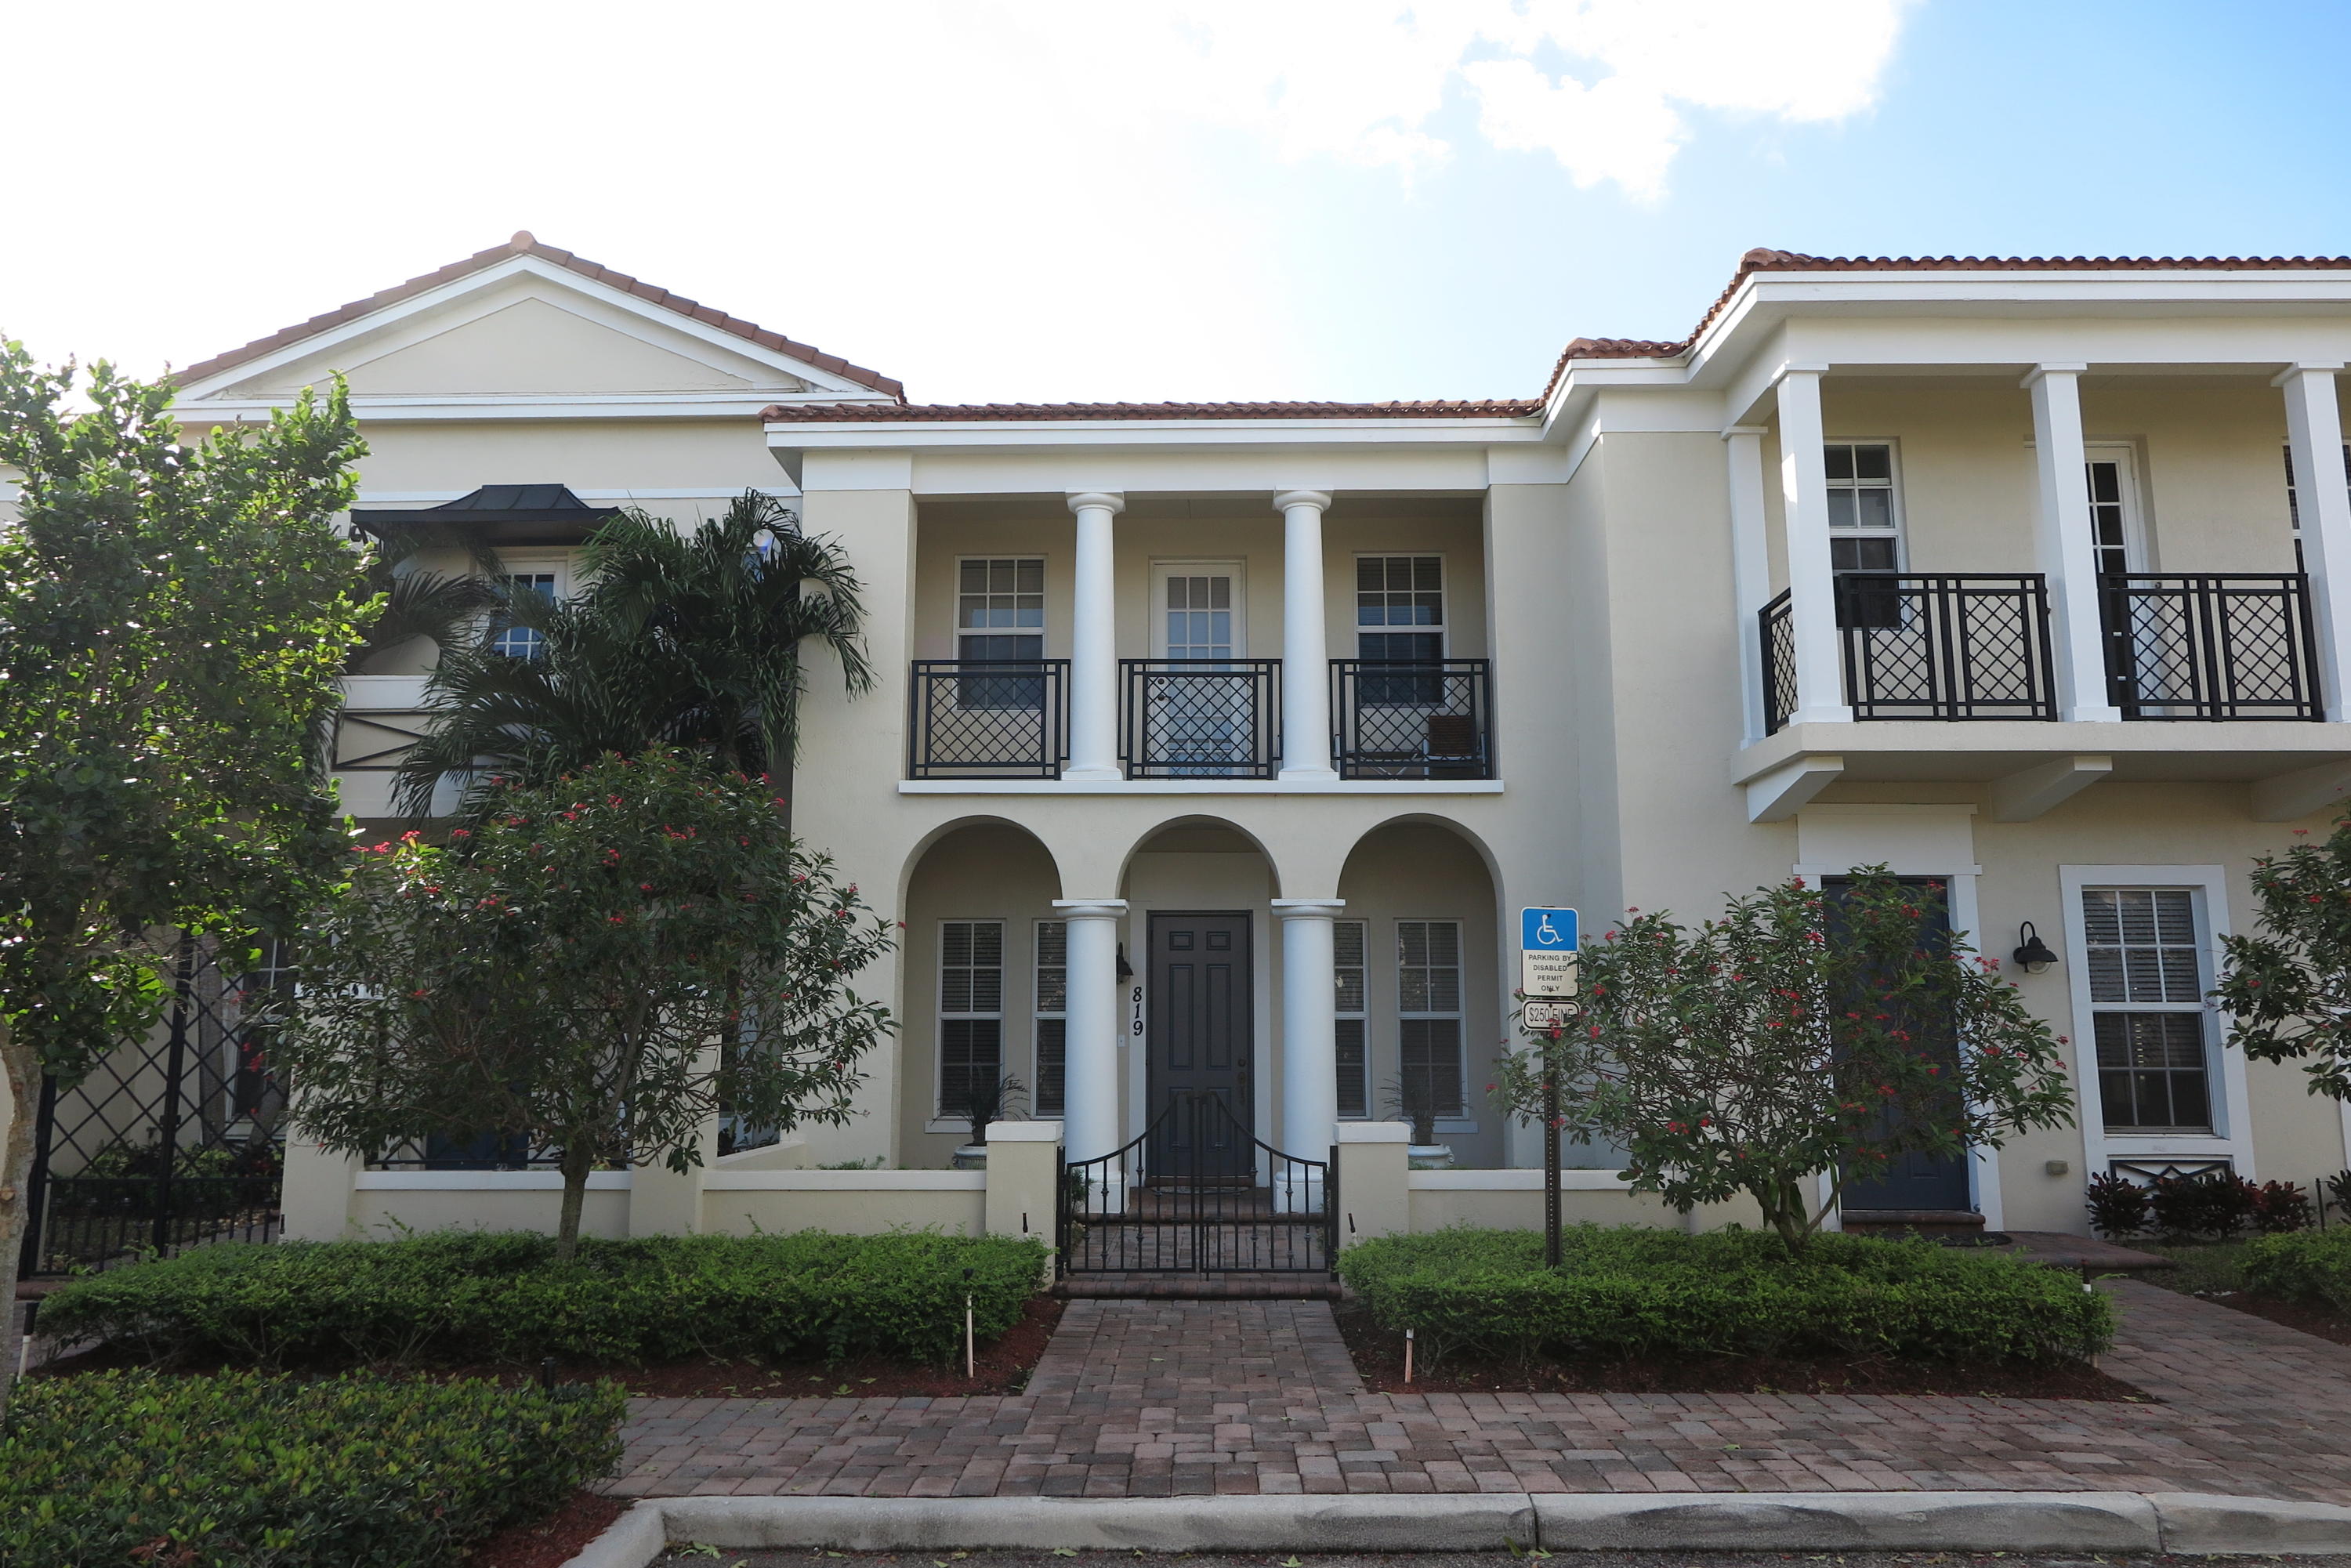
x=174 y=1140
x=1197 y=1194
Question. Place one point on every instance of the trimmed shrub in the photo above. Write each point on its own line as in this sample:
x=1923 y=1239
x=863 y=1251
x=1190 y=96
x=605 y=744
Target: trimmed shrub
x=245 y=1470
x=1625 y=1291
x=2117 y=1205
x=2217 y=1204
x=2278 y=1207
x=2312 y=1267
x=466 y=1297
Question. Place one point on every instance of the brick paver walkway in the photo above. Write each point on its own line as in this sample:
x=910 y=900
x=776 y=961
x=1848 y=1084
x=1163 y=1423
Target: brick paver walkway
x=1153 y=1398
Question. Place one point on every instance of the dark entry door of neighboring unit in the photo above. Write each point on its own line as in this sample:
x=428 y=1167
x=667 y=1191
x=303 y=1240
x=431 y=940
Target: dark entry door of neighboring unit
x=1201 y=1011
x=1915 y=1180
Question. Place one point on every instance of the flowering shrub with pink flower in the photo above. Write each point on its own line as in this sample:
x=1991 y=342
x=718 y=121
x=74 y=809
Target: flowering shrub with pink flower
x=599 y=965
x=1800 y=1039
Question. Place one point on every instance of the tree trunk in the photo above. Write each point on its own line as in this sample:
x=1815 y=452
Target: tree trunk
x=23 y=1069
x=576 y=1166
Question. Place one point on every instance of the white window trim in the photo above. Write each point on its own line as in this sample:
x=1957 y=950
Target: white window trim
x=1156 y=572
x=1464 y=1123
x=1445 y=598
x=2294 y=529
x=2138 y=534
x=531 y=563
x=958 y=632
x=1901 y=513
x=2231 y=1137
x=940 y=1016
x=1037 y=1015
x=1337 y=1013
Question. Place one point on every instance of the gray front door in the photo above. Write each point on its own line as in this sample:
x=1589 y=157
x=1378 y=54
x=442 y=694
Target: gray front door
x=1915 y=1180
x=1200 y=1039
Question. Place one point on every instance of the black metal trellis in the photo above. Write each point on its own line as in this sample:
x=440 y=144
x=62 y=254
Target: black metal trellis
x=1197 y=1194
x=174 y=1140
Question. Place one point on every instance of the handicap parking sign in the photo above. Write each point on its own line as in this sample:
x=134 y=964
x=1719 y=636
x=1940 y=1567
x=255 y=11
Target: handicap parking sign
x=1547 y=952
x=1546 y=929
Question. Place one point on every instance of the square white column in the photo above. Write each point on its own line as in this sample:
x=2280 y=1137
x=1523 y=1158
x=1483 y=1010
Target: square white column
x=1305 y=647
x=1811 y=577
x=1093 y=640
x=1751 y=565
x=2313 y=425
x=2063 y=546
x=1310 y=1043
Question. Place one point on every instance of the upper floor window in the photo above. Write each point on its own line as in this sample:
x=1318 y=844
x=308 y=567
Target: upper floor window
x=2294 y=507
x=1400 y=607
x=522 y=642
x=1000 y=608
x=1351 y=1020
x=1864 y=523
x=2145 y=965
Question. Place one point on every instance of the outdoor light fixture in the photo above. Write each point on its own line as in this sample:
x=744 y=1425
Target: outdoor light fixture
x=1125 y=969
x=2032 y=951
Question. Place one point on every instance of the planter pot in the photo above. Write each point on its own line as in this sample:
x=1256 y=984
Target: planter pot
x=971 y=1157
x=1429 y=1156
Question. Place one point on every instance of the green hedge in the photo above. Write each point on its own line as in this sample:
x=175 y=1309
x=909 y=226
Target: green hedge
x=2312 y=1267
x=1635 y=1292
x=462 y=1297
x=245 y=1470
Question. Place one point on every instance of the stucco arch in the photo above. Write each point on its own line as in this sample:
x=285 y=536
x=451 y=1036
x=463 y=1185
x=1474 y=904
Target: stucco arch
x=1429 y=819
x=921 y=848
x=1177 y=825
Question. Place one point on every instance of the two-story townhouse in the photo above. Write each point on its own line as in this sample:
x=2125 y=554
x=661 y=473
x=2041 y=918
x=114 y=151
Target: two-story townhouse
x=1216 y=744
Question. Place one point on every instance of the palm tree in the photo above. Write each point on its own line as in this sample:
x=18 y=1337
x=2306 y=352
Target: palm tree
x=690 y=640
x=441 y=609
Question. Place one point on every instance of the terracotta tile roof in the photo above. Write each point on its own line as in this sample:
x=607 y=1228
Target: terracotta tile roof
x=524 y=244
x=815 y=413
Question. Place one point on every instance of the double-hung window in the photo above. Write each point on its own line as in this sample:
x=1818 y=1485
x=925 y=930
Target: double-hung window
x=1865 y=530
x=1000 y=617
x=1351 y=1019
x=971 y=1009
x=1428 y=1013
x=1400 y=618
x=517 y=641
x=1052 y=1015
x=2146 y=984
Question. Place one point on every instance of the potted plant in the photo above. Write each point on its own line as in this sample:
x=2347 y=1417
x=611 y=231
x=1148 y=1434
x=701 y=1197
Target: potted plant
x=1413 y=1098
x=984 y=1101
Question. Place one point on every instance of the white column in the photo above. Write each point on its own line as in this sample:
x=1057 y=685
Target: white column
x=1751 y=564
x=1090 y=1119
x=1309 y=1040
x=2063 y=544
x=1094 y=640
x=1812 y=580
x=1305 y=649
x=2313 y=427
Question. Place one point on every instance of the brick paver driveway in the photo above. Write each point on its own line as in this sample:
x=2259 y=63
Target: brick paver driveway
x=1152 y=1398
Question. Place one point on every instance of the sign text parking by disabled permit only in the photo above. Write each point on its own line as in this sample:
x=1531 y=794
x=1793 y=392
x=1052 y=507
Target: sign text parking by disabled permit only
x=1547 y=945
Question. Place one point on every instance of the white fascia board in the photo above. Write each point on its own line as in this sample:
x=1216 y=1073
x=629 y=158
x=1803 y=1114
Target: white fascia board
x=1458 y=470
x=1095 y=434
x=733 y=407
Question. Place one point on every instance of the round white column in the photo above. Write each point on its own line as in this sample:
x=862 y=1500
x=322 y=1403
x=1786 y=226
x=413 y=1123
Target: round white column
x=1309 y=1042
x=1094 y=640
x=1305 y=649
x=1090 y=1119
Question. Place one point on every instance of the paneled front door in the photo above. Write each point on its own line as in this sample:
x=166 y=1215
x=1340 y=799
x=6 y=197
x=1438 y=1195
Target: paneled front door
x=1200 y=1035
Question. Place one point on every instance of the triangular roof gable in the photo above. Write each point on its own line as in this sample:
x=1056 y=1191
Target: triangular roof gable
x=646 y=337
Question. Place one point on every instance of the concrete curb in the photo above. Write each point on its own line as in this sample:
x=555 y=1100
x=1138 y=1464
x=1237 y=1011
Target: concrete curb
x=2188 y=1522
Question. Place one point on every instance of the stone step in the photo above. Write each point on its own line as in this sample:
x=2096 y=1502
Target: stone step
x=1234 y=1286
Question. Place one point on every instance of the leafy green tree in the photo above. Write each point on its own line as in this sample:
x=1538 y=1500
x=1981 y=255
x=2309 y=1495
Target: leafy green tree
x=678 y=640
x=172 y=621
x=599 y=965
x=1796 y=1037
x=2287 y=987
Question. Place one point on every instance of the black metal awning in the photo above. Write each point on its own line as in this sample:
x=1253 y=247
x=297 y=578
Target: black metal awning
x=498 y=516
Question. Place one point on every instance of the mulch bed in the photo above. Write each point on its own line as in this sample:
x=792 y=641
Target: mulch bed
x=1379 y=1357
x=1002 y=1367
x=2315 y=1321
x=553 y=1542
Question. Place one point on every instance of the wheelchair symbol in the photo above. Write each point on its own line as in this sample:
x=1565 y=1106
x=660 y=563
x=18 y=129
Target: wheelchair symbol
x=1546 y=935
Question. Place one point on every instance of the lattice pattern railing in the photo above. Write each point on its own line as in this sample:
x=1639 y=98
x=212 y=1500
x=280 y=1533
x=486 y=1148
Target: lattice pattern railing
x=1220 y=720
x=2210 y=645
x=1412 y=719
x=1946 y=645
x=988 y=718
x=1776 y=625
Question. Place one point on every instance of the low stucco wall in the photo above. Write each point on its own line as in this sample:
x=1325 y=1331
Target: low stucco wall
x=389 y=1204
x=1514 y=1200
x=854 y=1203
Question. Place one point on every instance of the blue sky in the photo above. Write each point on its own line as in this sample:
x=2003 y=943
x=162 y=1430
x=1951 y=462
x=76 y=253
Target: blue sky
x=1161 y=198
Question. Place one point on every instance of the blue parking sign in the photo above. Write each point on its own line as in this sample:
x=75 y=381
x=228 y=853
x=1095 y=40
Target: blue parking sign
x=1547 y=929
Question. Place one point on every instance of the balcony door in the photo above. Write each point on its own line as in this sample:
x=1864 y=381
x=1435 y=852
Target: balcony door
x=2143 y=659
x=1204 y=703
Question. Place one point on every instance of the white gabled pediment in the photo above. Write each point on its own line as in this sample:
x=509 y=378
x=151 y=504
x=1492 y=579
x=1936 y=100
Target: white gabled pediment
x=525 y=328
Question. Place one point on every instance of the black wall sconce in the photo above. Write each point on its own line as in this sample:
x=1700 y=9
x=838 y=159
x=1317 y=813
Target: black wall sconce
x=2032 y=952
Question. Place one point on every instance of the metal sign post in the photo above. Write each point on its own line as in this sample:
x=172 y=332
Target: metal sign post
x=1548 y=941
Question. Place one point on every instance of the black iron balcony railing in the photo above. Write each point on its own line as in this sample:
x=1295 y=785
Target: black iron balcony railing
x=1412 y=719
x=988 y=718
x=1219 y=719
x=2210 y=645
x=1934 y=645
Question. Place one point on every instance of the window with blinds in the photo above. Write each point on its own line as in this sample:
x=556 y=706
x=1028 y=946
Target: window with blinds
x=2145 y=970
x=971 y=1008
x=1052 y=1016
x=1428 y=1012
x=1352 y=1022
